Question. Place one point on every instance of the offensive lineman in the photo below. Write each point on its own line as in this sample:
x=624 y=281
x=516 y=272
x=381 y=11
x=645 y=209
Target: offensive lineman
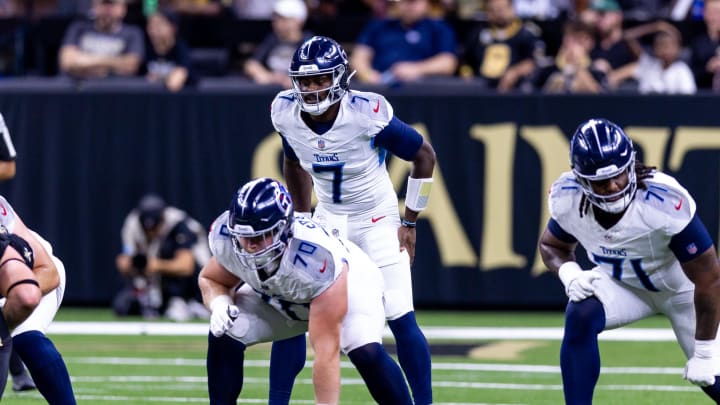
x=335 y=143
x=651 y=251
x=274 y=277
x=39 y=354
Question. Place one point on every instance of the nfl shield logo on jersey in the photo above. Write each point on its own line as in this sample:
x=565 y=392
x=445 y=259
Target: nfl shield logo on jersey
x=321 y=144
x=691 y=248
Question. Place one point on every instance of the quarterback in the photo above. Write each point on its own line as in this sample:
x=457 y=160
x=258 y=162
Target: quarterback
x=335 y=142
x=651 y=255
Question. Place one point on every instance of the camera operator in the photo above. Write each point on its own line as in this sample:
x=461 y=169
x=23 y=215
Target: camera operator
x=163 y=249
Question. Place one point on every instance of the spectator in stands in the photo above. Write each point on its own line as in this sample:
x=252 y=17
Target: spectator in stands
x=611 y=51
x=662 y=70
x=163 y=250
x=405 y=49
x=271 y=60
x=572 y=71
x=104 y=46
x=705 y=49
x=167 y=59
x=504 y=53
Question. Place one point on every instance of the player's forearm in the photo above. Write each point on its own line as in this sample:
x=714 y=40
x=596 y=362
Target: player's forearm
x=707 y=311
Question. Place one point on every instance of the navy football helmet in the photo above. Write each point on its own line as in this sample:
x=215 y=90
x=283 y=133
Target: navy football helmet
x=320 y=56
x=262 y=209
x=600 y=150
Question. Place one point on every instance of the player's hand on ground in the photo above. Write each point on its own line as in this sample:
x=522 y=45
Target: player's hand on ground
x=223 y=315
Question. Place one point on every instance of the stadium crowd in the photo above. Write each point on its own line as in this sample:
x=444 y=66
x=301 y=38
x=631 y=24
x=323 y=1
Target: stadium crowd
x=556 y=46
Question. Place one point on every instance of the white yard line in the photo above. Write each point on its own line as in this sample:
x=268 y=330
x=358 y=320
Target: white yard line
x=431 y=332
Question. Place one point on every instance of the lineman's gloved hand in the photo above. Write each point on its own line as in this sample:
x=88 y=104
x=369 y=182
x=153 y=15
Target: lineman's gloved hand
x=578 y=283
x=700 y=370
x=224 y=313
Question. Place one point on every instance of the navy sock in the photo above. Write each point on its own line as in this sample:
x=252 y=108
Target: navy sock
x=713 y=391
x=46 y=367
x=286 y=362
x=579 y=352
x=225 y=358
x=381 y=374
x=414 y=356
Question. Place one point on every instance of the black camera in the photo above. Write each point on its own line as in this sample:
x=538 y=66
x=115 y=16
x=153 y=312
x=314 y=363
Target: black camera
x=139 y=262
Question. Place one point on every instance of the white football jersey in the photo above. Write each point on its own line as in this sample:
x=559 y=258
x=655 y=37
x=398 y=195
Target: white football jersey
x=635 y=250
x=348 y=170
x=311 y=262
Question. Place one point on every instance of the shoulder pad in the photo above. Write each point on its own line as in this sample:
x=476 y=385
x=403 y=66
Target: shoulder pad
x=282 y=100
x=665 y=194
x=564 y=196
x=372 y=105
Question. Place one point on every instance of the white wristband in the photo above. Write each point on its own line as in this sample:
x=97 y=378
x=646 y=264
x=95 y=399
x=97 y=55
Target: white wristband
x=704 y=349
x=418 y=193
x=220 y=301
x=301 y=214
x=568 y=272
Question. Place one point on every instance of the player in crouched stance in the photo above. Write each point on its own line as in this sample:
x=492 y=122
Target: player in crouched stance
x=652 y=254
x=273 y=277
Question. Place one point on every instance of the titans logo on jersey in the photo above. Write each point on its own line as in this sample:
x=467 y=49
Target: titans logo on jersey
x=347 y=167
x=634 y=250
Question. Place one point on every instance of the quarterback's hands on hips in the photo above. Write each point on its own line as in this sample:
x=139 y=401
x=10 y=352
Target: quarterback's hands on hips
x=224 y=313
x=578 y=283
x=700 y=369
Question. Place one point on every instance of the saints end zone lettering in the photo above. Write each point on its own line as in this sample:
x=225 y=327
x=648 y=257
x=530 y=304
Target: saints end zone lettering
x=500 y=140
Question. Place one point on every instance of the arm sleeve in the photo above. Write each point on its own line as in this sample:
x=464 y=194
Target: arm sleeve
x=691 y=241
x=399 y=138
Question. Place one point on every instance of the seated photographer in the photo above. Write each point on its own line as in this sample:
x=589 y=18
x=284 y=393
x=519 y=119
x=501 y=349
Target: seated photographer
x=163 y=250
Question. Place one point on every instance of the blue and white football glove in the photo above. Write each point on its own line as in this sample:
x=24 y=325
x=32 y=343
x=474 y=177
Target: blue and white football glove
x=578 y=283
x=224 y=313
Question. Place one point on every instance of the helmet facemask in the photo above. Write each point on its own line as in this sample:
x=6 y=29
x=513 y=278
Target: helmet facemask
x=316 y=102
x=613 y=203
x=272 y=241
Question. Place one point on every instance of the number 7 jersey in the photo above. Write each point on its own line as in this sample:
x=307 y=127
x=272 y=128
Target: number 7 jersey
x=348 y=170
x=634 y=251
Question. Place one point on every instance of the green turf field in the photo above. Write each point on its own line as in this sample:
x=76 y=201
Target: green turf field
x=143 y=369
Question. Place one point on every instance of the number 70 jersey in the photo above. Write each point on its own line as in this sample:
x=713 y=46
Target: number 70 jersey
x=635 y=251
x=310 y=264
x=348 y=170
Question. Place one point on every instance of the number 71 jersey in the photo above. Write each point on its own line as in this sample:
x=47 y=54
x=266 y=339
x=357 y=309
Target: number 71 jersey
x=635 y=251
x=348 y=170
